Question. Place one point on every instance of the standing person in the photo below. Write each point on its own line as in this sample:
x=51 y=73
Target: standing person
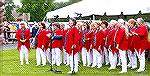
x=79 y=27
x=110 y=44
x=86 y=41
x=40 y=51
x=23 y=36
x=122 y=43
x=34 y=35
x=96 y=46
x=140 y=41
x=131 y=52
x=56 y=46
x=6 y=29
x=66 y=32
x=104 y=28
x=46 y=43
x=72 y=44
x=62 y=26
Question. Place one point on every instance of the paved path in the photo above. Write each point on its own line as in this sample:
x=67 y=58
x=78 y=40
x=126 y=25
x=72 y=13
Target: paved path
x=8 y=46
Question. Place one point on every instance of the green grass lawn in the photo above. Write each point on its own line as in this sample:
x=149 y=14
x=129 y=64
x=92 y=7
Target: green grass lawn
x=10 y=66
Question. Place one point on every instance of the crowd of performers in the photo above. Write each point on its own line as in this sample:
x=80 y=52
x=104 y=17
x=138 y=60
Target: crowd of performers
x=115 y=43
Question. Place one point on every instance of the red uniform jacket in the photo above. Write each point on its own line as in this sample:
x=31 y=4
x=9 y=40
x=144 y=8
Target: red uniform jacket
x=143 y=37
x=130 y=45
x=73 y=37
x=135 y=42
x=57 y=43
x=99 y=40
x=110 y=38
x=106 y=33
x=80 y=41
x=122 y=39
x=46 y=39
x=88 y=39
x=40 y=38
x=26 y=36
x=65 y=38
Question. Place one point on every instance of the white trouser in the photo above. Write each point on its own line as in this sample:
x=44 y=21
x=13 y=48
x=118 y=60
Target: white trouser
x=118 y=59
x=65 y=56
x=97 y=58
x=48 y=55
x=106 y=55
x=141 y=58
x=74 y=65
x=112 y=59
x=23 y=53
x=132 y=59
x=86 y=55
x=89 y=57
x=78 y=57
x=122 y=54
x=56 y=56
x=68 y=59
x=40 y=54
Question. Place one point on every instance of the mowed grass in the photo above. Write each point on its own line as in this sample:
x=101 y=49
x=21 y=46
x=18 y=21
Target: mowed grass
x=10 y=66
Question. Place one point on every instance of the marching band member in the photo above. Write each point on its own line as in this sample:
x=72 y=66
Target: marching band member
x=56 y=46
x=72 y=44
x=79 y=27
x=66 y=32
x=140 y=41
x=46 y=43
x=62 y=26
x=104 y=28
x=111 y=39
x=23 y=36
x=96 y=46
x=122 y=43
x=131 y=52
x=86 y=41
x=40 y=51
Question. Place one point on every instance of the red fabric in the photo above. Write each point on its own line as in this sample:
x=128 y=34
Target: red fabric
x=106 y=33
x=27 y=37
x=63 y=39
x=135 y=42
x=40 y=38
x=80 y=41
x=143 y=36
x=46 y=39
x=121 y=39
x=73 y=37
x=88 y=40
x=110 y=37
x=57 y=43
x=99 y=40
x=130 y=46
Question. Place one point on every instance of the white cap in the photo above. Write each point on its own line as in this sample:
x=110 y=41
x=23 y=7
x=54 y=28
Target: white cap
x=113 y=22
x=121 y=21
x=23 y=22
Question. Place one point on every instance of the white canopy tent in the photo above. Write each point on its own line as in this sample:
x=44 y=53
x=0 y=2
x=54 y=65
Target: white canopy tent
x=99 y=7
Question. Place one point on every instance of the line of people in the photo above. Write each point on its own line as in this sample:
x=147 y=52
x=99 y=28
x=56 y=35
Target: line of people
x=100 y=42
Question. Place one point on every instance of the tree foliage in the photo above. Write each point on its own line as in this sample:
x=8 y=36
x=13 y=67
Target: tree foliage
x=8 y=10
x=39 y=8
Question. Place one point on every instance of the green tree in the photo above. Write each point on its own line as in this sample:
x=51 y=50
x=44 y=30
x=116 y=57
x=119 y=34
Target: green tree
x=8 y=10
x=36 y=8
x=39 y=8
